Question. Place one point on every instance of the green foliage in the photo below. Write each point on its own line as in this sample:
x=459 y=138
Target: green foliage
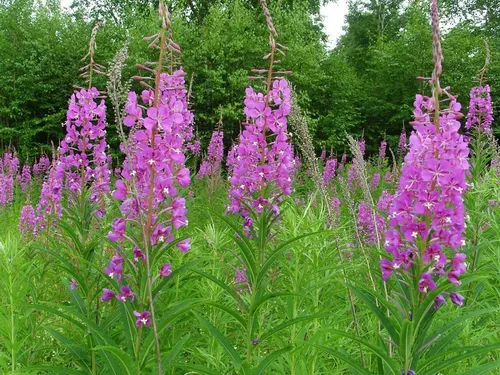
x=366 y=83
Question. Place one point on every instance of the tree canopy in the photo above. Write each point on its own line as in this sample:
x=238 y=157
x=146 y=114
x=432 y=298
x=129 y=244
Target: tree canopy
x=365 y=85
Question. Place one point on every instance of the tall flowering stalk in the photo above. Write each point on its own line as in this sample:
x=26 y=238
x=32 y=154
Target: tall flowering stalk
x=49 y=206
x=381 y=153
x=9 y=166
x=480 y=115
x=6 y=189
x=478 y=124
x=426 y=218
x=424 y=239
x=427 y=215
x=402 y=146
x=42 y=167
x=261 y=167
x=83 y=149
x=152 y=177
x=264 y=162
x=210 y=167
x=27 y=221
x=329 y=171
x=25 y=179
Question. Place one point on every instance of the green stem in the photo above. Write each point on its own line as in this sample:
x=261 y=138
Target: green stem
x=12 y=324
x=249 y=328
x=137 y=350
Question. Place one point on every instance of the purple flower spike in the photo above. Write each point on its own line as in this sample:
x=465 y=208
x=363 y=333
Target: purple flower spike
x=427 y=216
x=480 y=116
x=263 y=159
x=211 y=165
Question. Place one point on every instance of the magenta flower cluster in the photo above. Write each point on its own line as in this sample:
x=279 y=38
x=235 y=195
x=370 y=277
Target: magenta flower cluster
x=323 y=155
x=49 y=206
x=343 y=161
x=362 y=146
x=6 y=189
x=211 y=165
x=9 y=166
x=381 y=152
x=25 y=179
x=42 y=167
x=83 y=150
x=480 y=115
x=152 y=175
x=370 y=224
x=262 y=165
x=335 y=207
x=27 y=221
x=402 y=143
x=194 y=147
x=374 y=182
x=427 y=215
x=329 y=171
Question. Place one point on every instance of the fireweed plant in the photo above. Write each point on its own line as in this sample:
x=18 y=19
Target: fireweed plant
x=71 y=208
x=478 y=125
x=9 y=166
x=261 y=166
x=424 y=240
x=152 y=208
x=478 y=122
x=211 y=166
x=272 y=299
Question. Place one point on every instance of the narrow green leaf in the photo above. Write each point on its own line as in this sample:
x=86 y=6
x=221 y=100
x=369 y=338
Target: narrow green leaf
x=221 y=339
x=126 y=363
x=278 y=251
x=80 y=353
x=377 y=350
x=243 y=244
x=231 y=292
x=386 y=322
x=470 y=352
x=173 y=313
x=270 y=359
x=195 y=369
x=289 y=323
x=174 y=351
x=233 y=313
x=53 y=370
x=266 y=297
x=486 y=368
x=354 y=363
x=129 y=328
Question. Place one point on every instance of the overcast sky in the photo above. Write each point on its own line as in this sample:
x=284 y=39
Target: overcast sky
x=333 y=18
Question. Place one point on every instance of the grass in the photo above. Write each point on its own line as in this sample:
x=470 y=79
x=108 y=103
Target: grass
x=47 y=328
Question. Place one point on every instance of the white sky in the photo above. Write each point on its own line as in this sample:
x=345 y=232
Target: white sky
x=333 y=18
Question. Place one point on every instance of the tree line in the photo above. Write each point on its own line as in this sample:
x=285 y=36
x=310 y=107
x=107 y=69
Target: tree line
x=364 y=86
